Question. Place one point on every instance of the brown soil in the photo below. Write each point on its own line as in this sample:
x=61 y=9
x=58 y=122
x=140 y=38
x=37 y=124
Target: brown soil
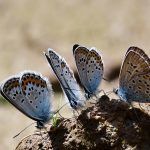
x=106 y=124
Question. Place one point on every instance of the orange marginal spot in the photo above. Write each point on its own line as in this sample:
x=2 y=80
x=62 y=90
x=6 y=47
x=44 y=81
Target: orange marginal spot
x=63 y=64
x=40 y=82
x=92 y=54
x=16 y=84
x=34 y=81
x=85 y=52
x=80 y=52
x=89 y=55
x=145 y=76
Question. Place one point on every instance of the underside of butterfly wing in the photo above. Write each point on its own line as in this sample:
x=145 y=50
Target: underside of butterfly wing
x=134 y=81
x=38 y=92
x=94 y=69
x=11 y=90
x=66 y=79
x=80 y=55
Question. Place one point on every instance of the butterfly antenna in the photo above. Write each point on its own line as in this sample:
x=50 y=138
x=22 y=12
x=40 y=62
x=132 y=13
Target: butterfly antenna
x=23 y=130
x=55 y=112
x=60 y=108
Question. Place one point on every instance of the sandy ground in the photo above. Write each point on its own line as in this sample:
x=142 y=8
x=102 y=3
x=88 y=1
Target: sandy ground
x=12 y=122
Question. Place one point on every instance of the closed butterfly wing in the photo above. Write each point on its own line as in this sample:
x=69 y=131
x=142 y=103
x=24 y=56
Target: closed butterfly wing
x=90 y=68
x=66 y=79
x=80 y=55
x=12 y=90
x=38 y=92
x=94 y=70
x=134 y=80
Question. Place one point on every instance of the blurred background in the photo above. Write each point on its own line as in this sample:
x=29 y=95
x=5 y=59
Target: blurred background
x=29 y=27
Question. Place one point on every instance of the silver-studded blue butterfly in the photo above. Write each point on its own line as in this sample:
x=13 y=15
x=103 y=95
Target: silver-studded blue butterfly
x=30 y=93
x=90 y=68
x=134 y=79
x=66 y=79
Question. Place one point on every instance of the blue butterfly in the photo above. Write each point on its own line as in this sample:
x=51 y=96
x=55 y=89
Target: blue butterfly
x=90 y=68
x=134 y=79
x=66 y=79
x=31 y=93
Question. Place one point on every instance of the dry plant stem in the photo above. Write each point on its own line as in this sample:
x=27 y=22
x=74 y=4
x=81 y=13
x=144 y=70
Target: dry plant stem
x=107 y=124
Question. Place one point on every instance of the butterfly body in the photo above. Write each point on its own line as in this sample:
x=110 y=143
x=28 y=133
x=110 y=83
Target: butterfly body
x=30 y=93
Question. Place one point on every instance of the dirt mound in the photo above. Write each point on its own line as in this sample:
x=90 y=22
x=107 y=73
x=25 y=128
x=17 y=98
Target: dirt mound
x=106 y=124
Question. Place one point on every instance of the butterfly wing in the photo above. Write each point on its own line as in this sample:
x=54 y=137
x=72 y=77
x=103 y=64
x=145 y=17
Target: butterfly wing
x=134 y=80
x=66 y=79
x=11 y=90
x=90 y=68
x=80 y=54
x=94 y=68
x=38 y=92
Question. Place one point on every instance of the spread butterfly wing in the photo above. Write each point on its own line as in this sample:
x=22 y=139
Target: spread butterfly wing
x=134 y=77
x=80 y=55
x=94 y=70
x=66 y=79
x=38 y=92
x=11 y=91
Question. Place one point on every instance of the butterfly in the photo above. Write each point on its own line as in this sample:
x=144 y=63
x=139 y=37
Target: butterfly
x=134 y=78
x=90 y=68
x=31 y=93
x=66 y=79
